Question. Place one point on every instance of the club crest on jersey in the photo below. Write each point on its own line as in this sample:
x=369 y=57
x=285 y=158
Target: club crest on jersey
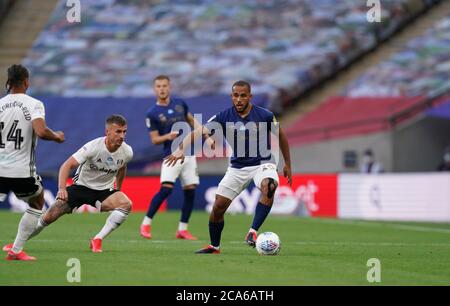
x=109 y=161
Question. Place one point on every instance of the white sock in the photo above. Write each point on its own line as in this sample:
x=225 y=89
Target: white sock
x=116 y=218
x=98 y=205
x=39 y=227
x=147 y=221
x=182 y=226
x=27 y=226
x=251 y=230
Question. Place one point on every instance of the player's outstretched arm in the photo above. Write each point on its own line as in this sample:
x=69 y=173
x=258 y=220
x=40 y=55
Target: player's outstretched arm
x=158 y=139
x=44 y=132
x=64 y=172
x=178 y=154
x=284 y=146
x=195 y=125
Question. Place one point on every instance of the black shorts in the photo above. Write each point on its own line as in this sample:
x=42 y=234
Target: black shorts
x=79 y=195
x=23 y=188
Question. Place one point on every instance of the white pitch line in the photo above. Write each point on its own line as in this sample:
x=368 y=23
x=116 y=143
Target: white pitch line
x=414 y=228
x=343 y=243
x=359 y=243
x=370 y=243
x=112 y=241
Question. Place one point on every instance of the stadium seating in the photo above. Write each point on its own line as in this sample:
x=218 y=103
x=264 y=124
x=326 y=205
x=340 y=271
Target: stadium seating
x=421 y=67
x=205 y=45
x=413 y=79
x=110 y=58
x=4 y=7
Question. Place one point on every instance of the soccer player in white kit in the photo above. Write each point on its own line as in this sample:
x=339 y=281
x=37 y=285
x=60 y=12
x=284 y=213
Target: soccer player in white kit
x=100 y=163
x=22 y=120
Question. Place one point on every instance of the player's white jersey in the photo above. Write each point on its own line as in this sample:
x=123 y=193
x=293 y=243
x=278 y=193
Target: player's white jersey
x=98 y=167
x=17 y=138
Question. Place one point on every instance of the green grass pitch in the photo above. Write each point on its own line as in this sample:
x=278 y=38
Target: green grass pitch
x=314 y=252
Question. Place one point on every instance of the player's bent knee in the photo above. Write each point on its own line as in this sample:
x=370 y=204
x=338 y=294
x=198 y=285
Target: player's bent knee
x=125 y=204
x=217 y=213
x=165 y=190
x=37 y=202
x=268 y=187
x=220 y=208
x=129 y=205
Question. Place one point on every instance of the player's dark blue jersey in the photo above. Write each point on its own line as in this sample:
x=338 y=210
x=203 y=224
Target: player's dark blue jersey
x=253 y=131
x=162 y=118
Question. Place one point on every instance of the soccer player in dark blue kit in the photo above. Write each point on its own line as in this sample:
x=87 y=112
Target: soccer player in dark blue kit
x=245 y=165
x=160 y=120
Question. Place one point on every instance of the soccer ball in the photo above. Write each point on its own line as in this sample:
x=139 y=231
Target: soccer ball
x=268 y=243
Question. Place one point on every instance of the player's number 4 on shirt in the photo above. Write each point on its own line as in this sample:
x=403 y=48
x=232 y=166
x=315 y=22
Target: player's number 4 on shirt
x=14 y=135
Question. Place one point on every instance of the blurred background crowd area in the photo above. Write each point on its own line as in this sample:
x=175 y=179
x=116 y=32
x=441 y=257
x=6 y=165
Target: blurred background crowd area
x=283 y=47
x=5 y=5
x=420 y=68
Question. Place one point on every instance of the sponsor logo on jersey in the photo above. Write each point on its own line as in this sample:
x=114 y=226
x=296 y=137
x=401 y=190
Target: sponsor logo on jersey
x=103 y=169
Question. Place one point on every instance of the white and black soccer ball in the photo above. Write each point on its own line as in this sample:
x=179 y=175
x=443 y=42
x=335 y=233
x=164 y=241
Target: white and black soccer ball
x=268 y=243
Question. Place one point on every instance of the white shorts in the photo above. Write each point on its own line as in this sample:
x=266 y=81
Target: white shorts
x=187 y=172
x=236 y=180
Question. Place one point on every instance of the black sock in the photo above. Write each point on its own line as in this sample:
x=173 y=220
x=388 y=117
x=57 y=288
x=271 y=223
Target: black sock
x=157 y=200
x=186 y=211
x=261 y=213
x=215 y=232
